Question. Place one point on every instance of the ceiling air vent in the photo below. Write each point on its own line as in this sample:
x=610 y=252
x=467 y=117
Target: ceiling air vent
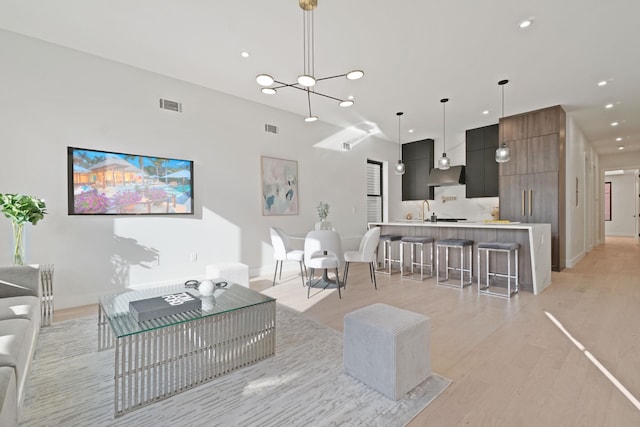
x=167 y=104
x=270 y=128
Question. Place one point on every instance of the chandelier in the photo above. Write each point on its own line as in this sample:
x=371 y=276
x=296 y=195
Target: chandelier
x=306 y=81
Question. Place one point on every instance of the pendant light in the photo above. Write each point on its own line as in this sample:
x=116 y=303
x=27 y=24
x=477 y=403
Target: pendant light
x=400 y=166
x=444 y=162
x=503 y=153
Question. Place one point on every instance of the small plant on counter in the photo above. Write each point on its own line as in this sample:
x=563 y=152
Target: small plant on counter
x=323 y=210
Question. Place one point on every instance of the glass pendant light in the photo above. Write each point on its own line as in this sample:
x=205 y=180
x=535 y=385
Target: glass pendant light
x=444 y=162
x=503 y=153
x=399 y=166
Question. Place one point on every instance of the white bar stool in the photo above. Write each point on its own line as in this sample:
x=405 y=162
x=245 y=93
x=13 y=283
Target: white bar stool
x=387 y=241
x=508 y=248
x=463 y=245
x=416 y=243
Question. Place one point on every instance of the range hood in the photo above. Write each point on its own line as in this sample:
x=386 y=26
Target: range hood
x=452 y=176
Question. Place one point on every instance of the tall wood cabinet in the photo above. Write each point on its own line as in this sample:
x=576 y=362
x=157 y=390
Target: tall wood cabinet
x=532 y=183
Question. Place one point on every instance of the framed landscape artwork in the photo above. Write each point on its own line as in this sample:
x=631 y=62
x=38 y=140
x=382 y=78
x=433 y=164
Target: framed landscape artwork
x=107 y=183
x=279 y=186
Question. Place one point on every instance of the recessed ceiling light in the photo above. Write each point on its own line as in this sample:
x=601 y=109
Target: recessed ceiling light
x=602 y=83
x=614 y=123
x=526 y=23
x=350 y=97
x=608 y=106
x=618 y=139
x=244 y=54
x=410 y=130
x=268 y=91
x=485 y=112
x=620 y=147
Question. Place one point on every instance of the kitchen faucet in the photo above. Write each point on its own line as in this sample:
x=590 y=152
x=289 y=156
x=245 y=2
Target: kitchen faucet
x=428 y=208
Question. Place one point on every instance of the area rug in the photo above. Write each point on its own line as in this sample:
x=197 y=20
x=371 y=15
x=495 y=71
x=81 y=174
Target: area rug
x=71 y=384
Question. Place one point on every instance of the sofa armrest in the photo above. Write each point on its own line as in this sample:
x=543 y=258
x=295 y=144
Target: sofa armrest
x=20 y=280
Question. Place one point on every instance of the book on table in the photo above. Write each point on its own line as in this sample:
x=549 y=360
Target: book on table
x=166 y=305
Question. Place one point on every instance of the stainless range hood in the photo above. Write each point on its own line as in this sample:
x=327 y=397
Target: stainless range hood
x=452 y=176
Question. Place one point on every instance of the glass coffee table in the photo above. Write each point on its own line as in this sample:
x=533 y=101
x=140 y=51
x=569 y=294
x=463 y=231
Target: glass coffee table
x=159 y=358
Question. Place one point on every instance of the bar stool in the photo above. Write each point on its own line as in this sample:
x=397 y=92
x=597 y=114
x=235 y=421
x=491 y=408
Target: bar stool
x=462 y=244
x=416 y=243
x=508 y=248
x=387 y=241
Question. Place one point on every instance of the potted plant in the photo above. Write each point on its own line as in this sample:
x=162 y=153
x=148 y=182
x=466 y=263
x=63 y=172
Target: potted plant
x=21 y=209
x=323 y=213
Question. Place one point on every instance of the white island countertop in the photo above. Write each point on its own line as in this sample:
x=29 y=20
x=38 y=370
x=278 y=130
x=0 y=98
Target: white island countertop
x=535 y=237
x=463 y=224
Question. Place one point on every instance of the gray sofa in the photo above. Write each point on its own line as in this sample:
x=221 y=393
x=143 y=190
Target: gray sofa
x=19 y=328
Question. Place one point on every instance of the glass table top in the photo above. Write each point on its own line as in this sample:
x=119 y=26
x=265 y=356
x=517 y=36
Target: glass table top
x=115 y=307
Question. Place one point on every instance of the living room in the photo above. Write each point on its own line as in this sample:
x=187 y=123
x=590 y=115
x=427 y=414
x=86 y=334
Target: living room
x=56 y=97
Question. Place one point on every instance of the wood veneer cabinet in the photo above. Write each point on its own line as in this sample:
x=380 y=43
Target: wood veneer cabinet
x=532 y=183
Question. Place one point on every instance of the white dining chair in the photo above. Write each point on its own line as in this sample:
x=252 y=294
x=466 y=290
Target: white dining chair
x=282 y=252
x=323 y=251
x=366 y=253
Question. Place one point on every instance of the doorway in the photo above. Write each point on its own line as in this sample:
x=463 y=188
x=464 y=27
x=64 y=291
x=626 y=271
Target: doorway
x=621 y=203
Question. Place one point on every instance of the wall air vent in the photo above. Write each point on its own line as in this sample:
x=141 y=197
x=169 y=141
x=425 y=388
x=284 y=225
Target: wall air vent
x=167 y=104
x=270 y=128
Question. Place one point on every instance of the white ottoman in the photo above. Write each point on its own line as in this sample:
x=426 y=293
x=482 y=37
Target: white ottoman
x=387 y=348
x=235 y=272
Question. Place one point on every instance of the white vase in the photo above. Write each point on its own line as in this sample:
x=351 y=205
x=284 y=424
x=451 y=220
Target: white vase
x=19 y=256
x=323 y=225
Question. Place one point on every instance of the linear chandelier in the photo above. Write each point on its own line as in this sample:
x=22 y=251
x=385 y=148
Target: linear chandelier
x=306 y=81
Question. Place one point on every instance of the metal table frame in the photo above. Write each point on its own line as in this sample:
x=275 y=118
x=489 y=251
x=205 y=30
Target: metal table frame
x=170 y=355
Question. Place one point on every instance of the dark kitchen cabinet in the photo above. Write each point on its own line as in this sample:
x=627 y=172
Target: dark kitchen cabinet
x=481 y=171
x=418 y=161
x=532 y=183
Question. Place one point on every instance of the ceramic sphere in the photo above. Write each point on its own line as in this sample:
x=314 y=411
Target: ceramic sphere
x=206 y=288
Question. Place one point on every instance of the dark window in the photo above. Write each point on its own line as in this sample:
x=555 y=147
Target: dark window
x=374 y=191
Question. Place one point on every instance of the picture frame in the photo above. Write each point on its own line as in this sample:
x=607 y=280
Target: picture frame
x=109 y=183
x=279 y=186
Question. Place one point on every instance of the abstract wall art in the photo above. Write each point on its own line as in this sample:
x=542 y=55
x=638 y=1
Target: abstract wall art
x=279 y=186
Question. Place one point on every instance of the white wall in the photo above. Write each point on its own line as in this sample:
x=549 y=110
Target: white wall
x=576 y=179
x=623 y=204
x=55 y=97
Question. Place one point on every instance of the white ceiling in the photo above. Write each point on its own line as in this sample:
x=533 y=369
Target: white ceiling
x=413 y=53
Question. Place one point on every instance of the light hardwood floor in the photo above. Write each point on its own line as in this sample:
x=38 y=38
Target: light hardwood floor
x=510 y=364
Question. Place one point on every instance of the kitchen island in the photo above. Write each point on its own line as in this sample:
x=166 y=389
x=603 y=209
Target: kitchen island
x=534 y=257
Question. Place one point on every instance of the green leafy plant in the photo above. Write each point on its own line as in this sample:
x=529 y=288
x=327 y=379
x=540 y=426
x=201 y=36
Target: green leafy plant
x=21 y=209
x=323 y=210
